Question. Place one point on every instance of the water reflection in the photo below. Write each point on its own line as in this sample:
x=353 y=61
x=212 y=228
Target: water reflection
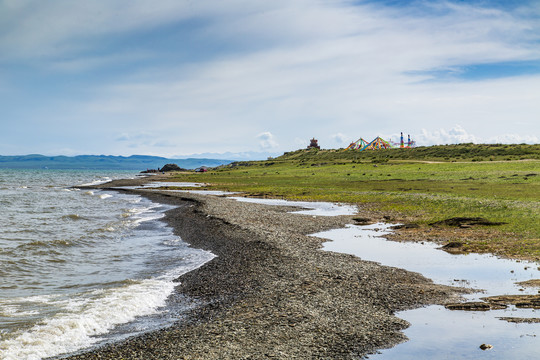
x=438 y=333
x=312 y=208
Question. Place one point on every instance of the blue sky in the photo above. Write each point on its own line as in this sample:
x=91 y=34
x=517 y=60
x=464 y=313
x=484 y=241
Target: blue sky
x=175 y=78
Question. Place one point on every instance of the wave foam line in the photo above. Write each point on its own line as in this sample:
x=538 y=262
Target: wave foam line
x=68 y=332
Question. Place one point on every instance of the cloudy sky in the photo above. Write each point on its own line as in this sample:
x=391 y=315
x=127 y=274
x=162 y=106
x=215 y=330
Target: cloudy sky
x=180 y=77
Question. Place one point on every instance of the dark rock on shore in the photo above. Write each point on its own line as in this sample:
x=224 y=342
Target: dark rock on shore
x=518 y=320
x=520 y=301
x=498 y=302
x=406 y=226
x=363 y=221
x=454 y=247
x=530 y=283
x=475 y=306
x=150 y=171
x=171 y=167
x=165 y=168
x=466 y=222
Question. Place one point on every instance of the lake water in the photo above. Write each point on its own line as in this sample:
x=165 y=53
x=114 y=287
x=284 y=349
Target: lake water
x=79 y=265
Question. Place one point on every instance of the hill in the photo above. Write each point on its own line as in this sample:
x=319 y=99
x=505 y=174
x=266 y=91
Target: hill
x=134 y=162
x=422 y=187
x=458 y=152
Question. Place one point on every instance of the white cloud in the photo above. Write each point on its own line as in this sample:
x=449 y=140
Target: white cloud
x=140 y=136
x=455 y=135
x=513 y=139
x=362 y=72
x=341 y=139
x=309 y=68
x=458 y=135
x=55 y=28
x=144 y=142
x=266 y=141
x=300 y=143
x=123 y=137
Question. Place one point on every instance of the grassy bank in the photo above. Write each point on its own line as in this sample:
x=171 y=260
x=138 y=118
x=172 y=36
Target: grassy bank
x=500 y=183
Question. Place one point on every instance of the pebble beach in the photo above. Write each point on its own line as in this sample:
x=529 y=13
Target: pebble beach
x=271 y=292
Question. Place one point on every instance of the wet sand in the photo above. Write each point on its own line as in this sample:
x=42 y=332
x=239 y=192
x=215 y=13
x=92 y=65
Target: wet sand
x=271 y=292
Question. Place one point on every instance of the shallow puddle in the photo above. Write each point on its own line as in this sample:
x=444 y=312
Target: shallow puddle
x=310 y=208
x=438 y=333
x=160 y=184
x=206 y=192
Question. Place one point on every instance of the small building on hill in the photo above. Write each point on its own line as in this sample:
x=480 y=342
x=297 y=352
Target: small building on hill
x=314 y=144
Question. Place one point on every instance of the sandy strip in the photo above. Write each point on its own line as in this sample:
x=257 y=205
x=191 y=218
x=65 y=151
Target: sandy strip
x=271 y=293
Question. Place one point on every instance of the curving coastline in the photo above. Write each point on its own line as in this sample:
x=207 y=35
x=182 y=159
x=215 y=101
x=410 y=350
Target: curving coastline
x=271 y=293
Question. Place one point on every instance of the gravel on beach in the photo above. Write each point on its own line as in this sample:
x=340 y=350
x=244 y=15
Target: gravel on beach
x=272 y=293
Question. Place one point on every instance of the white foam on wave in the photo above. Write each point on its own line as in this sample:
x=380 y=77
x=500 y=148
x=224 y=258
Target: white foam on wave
x=15 y=311
x=145 y=213
x=137 y=215
x=79 y=328
x=103 y=180
x=13 y=307
x=147 y=217
x=105 y=196
x=191 y=261
x=143 y=209
x=45 y=299
x=85 y=319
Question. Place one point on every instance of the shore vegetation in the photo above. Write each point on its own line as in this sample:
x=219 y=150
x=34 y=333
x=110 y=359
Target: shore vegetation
x=424 y=188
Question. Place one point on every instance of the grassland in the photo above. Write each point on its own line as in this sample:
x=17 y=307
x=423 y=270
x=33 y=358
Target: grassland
x=500 y=183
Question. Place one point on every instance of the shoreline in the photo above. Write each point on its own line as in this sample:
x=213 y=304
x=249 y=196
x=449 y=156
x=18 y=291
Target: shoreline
x=271 y=292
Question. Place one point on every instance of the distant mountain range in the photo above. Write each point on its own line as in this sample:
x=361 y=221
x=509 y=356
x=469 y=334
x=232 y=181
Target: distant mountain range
x=109 y=162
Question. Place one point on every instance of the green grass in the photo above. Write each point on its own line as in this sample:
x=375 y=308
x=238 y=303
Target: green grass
x=502 y=191
x=456 y=153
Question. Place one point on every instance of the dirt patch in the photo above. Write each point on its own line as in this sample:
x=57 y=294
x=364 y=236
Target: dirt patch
x=454 y=247
x=463 y=222
x=475 y=306
x=406 y=226
x=520 y=301
x=530 y=283
x=498 y=302
x=518 y=320
x=479 y=239
x=363 y=221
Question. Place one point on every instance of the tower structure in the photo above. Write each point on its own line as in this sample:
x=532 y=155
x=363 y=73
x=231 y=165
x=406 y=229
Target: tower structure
x=313 y=144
